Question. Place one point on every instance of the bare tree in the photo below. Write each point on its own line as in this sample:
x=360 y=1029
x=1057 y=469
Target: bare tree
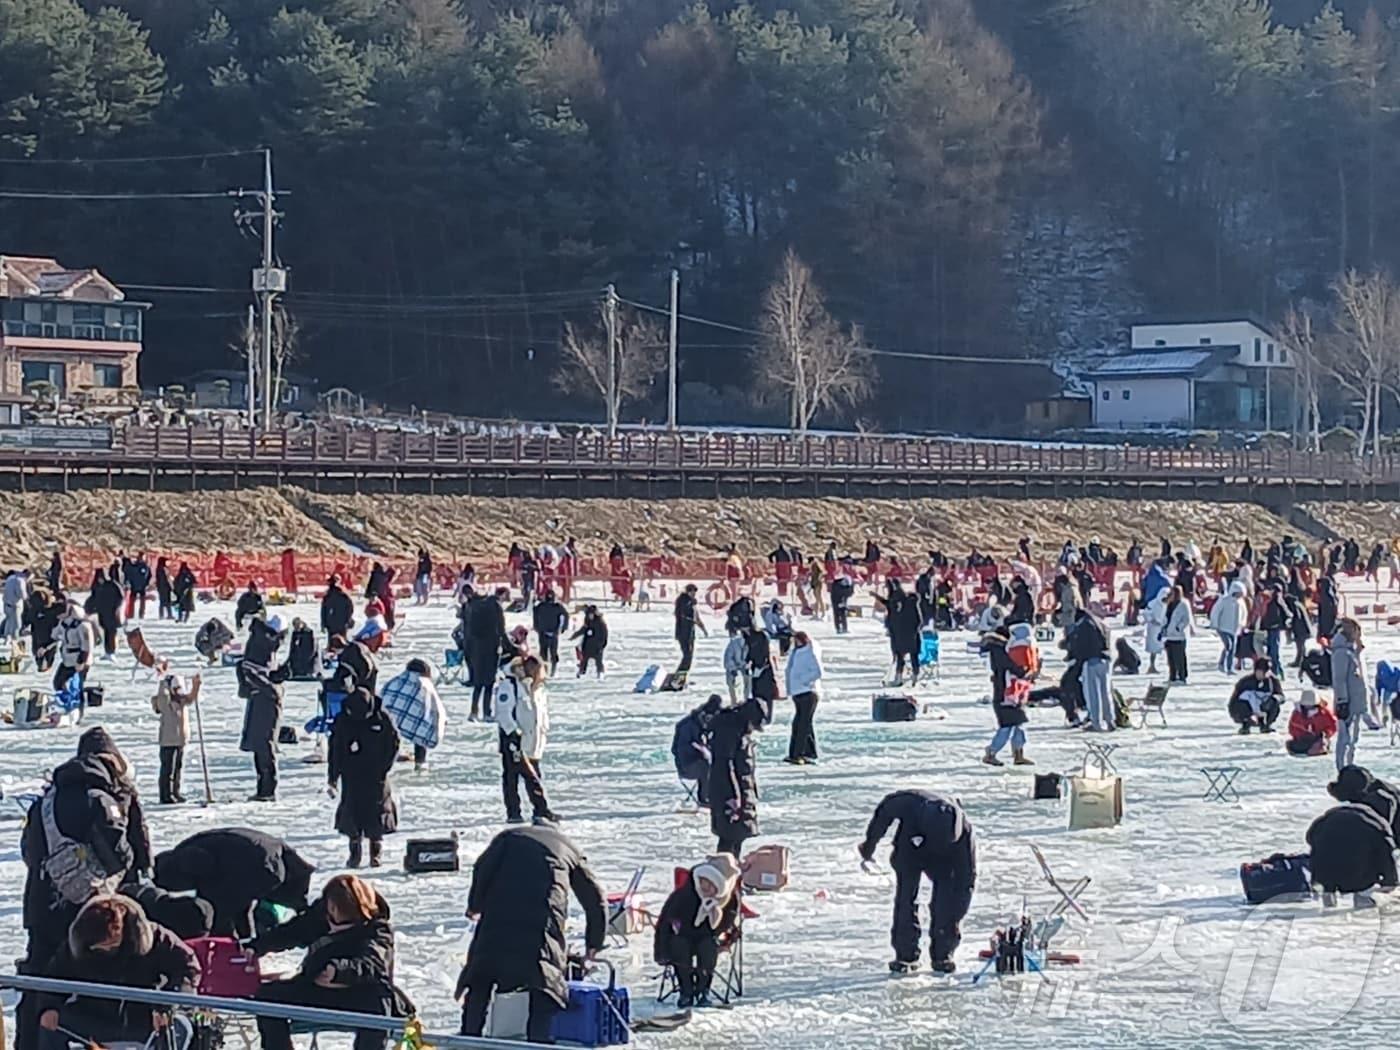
x=1365 y=355
x=584 y=369
x=1297 y=337
x=286 y=339
x=805 y=355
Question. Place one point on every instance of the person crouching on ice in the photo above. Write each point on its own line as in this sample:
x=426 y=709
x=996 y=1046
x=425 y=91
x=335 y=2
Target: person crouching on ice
x=934 y=840
x=693 y=923
x=1311 y=726
x=1257 y=699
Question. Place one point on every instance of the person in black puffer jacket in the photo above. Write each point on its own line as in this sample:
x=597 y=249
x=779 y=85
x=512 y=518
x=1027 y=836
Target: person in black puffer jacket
x=260 y=686
x=593 y=640
x=1353 y=851
x=519 y=894
x=364 y=747
x=691 y=743
x=486 y=632
x=934 y=840
x=734 y=775
x=233 y=869
x=1357 y=784
x=337 y=610
x=112 y=942
x=349 y=967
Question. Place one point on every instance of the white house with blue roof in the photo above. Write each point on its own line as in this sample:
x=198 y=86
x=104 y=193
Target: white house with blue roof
x=1219 y=373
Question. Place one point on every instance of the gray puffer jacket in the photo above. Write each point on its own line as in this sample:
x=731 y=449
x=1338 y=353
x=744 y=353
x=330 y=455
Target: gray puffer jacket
x=1348 y=679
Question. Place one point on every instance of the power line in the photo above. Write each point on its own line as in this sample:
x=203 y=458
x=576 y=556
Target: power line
x=129 y=160
x=49 y=195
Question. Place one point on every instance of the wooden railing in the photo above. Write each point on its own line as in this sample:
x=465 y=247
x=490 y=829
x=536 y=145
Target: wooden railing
x=867 y=455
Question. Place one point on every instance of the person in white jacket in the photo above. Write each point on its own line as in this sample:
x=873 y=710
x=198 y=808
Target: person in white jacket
x=1174 y=632
x=1154 y=618
x=1227 y=619
x=522 y=718
x=736 y=655
x=804 y=672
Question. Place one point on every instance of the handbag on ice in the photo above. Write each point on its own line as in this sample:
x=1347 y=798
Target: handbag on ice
x=1095 y=802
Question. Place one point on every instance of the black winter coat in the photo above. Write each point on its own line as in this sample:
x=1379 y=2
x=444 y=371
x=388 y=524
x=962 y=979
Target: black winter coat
x=676 y=930
x=739 y=616
x=1087 y=640
x=308 y=927
x=904 y=624
x=91 y=805
x=1022 y=605
x=592 y=637
x=692 y=730
x=183 y=587
x=262 y=645
x=356 y=668
x=261 y=690
x=685 y=617
x=163 y=588
x=488 y=622
x=362 y=957
x=106 y=602
x=994 y=646
x=841 y=590
x=250 y=605
x=337 y=611
x=549 y=617
x=233 y=868
x=1326 y=608
x=733 y=771
x=1352 y=850
x=933 y=834
x=301 y=653
x=760 y=663
x=138 y=576
x=364 y=747
x=520 y=889
x=1356 y=784
x=149 y=956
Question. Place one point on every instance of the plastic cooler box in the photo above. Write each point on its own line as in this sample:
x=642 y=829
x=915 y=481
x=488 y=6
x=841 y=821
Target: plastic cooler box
x=597 y=1015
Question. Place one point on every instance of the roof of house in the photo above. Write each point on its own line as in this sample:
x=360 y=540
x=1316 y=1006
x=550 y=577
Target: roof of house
x=210 y=375
x=34 y=275
x=1165 y=362
x=1225 y=317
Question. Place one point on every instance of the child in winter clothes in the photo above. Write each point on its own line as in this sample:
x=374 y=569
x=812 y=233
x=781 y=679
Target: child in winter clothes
x=171 y=702
x=1311 y=727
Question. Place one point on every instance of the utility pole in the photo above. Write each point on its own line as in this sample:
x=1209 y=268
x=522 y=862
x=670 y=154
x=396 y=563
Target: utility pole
x=671 y=387
x=610 y=312
x=269 y=280
x=249 y=341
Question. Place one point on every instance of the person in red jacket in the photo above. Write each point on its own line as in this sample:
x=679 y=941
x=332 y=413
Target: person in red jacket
x=1312 y=726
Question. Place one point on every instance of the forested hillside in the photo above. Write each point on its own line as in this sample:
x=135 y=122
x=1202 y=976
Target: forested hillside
x=992 y=178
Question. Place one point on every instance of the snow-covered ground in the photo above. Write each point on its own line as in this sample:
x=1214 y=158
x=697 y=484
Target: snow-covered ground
x=1173 y=956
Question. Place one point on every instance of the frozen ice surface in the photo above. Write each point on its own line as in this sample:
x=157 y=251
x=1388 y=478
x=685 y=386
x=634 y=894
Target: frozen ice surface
x=1173 y=956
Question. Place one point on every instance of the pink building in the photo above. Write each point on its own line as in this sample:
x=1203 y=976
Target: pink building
x=73 y=329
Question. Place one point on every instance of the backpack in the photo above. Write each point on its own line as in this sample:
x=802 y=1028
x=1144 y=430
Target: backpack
x=72 y=867
x=1122 y=711
x=1317 y=667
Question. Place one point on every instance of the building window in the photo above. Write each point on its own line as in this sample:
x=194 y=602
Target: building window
x=1127 y=395
x=1271 y=353
x=1256 y=353
x=1205 y=340
x=1282 y=356
x=108 y=377
x=1107 y=394
x=49 y=372
x=48 y=312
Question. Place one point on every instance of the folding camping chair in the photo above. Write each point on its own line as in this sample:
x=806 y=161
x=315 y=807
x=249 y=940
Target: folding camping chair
x=454 y=667
x=691 y=802
x=1069 y=898
x=729 y=970
x=141 y=650
x=623 y=912
x=1155 y=700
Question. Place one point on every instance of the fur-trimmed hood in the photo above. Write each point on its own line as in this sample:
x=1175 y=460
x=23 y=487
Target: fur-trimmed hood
x=138 y=936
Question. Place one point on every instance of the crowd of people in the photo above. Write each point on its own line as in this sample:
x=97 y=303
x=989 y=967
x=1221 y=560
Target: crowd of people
x=125 y=914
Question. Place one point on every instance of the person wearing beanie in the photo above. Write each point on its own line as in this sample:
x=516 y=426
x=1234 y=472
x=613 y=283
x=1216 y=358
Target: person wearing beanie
x=1357 y=784
x=364 y=746
x=412 y=702
x=934 y=841
x=337 y=610
x=695 y=922
x=1311 y=727
x=260 y=686
x=734 y=774
x=250 y=606
x=1257 y=698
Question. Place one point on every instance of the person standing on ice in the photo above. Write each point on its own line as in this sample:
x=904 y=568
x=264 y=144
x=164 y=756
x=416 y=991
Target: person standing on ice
x=734 y=774
x=593 y=640
x=522 y=717
x=1348 y=689
x=486 y=632
x=934 y=841
x=519 y=897
x=687 y=620
x=260 y=685
x=337 y=610
x=363 y=749
x=551 y=620
x=804 y=672
x=1089 y=645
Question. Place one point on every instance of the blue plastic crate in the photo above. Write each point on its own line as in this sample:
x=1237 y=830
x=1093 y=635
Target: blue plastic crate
x=597 y=1015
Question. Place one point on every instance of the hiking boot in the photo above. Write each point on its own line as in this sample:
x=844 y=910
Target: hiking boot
x=515 y=818
x=262 y=798
x=704 y=1002
x=795 y=761
x=684 y=1002
x=989 y=759
x=944 y=966
x=376 y=853
x=1266 y=729
x=1362 y=901
x=1329 y=899
x=356 y=857
x=1244 y=729
x=1019 y=758
x=901 y=966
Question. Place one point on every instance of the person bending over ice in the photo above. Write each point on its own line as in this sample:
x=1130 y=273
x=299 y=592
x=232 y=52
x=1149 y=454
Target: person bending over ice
x=1257 y=699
